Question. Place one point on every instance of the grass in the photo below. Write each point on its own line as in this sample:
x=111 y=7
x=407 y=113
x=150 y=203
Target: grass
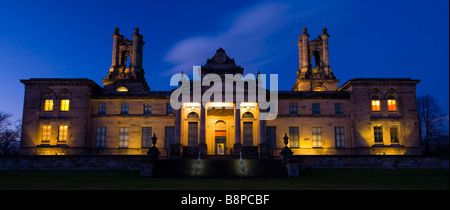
x=310 y=179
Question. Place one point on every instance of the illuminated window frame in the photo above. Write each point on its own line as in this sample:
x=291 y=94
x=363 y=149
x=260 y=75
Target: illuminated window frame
x=63 y=133
x=378 y=133
x=48 y=104
x=376 y=104
x=46 y=133
x=392 y=104
x=65 y=104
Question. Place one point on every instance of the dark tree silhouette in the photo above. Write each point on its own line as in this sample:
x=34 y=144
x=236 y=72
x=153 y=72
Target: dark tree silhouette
x=430 y=120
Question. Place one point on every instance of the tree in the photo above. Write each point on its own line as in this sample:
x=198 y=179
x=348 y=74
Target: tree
x=430 y=120
x=9 y=136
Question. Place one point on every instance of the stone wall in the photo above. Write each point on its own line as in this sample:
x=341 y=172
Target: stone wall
x=133 y=162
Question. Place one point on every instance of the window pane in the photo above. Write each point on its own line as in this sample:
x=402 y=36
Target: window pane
x=339 y=135
x=376 y=105
x=146 y=137
x=394 y=133
x=392 y=106
x=192 y=134
x=147 y=109
x=102 y=109
x=248 y=133
x=317 y=136
x=46 y=129
x=100 y=139
x=124 y=109
x=293 y=109
x=65 y=104
x=294 y=137
x=316 y=108
x=338 y=108
x=378 y=134
x=169 y=109
x=48 y=105
x=123 y=137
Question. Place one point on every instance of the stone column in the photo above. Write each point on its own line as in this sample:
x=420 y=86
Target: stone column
x=325 y=56
x=237 y=132
x=202 y=146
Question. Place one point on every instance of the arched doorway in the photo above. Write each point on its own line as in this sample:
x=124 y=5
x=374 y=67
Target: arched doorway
x=220 y=137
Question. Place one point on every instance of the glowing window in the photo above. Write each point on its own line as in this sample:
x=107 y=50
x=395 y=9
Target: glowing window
x=48 y=104
x=378 y=133
x=193 y=115
x=375 y=104
x=248 y=115
x=63 y=133
x=317 y=136
x=392 y=105
x=65 y=104
x=123 y=137
x=122 y=89
x=318 y=89
x=46 y=129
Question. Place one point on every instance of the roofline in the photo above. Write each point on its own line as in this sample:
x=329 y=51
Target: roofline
x=378 y=81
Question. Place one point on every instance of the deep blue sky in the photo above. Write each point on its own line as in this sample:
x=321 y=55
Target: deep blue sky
x=369 y=39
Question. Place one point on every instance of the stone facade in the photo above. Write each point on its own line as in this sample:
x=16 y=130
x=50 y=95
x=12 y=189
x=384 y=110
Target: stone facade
x=374 y=116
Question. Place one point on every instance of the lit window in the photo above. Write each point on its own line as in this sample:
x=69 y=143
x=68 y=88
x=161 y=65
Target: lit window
x=48 y=104
x=46 y=129
x=392 y=105
x=122 y=89
x=65 y=104
x=318 y=89
x=294 y=137
x=375 y=104
x=63 y=133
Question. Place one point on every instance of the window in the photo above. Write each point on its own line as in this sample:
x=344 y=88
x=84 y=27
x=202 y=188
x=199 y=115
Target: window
x=293 y=108
x=375 y=104
x=123 y=137
x=338 y=109
x=124 y=109
x=62 y=137
x=317 y=136
x=316 y=108
x=248 y=133
x=192 y=133
x=169 y=109
x=392 y=106
x=378 y=133
x=65 y=104
x=122 y=89
x=48 y=104
x=169 y=135
x=271 y=136
x=146 y=137
x=339 y=136
x=193 y=115
x=248 y=115
x=102 y=109
x=394 y=133
x=294 y=137
x=100 y=138
x=147 y=109
x=46 y=132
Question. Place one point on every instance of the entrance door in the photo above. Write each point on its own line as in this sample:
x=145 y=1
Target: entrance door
x=220 y=145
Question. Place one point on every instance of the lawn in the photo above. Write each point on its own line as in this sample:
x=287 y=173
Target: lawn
x=310 y=179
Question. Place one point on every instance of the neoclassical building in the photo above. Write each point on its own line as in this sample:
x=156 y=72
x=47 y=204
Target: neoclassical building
x=69 y=116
